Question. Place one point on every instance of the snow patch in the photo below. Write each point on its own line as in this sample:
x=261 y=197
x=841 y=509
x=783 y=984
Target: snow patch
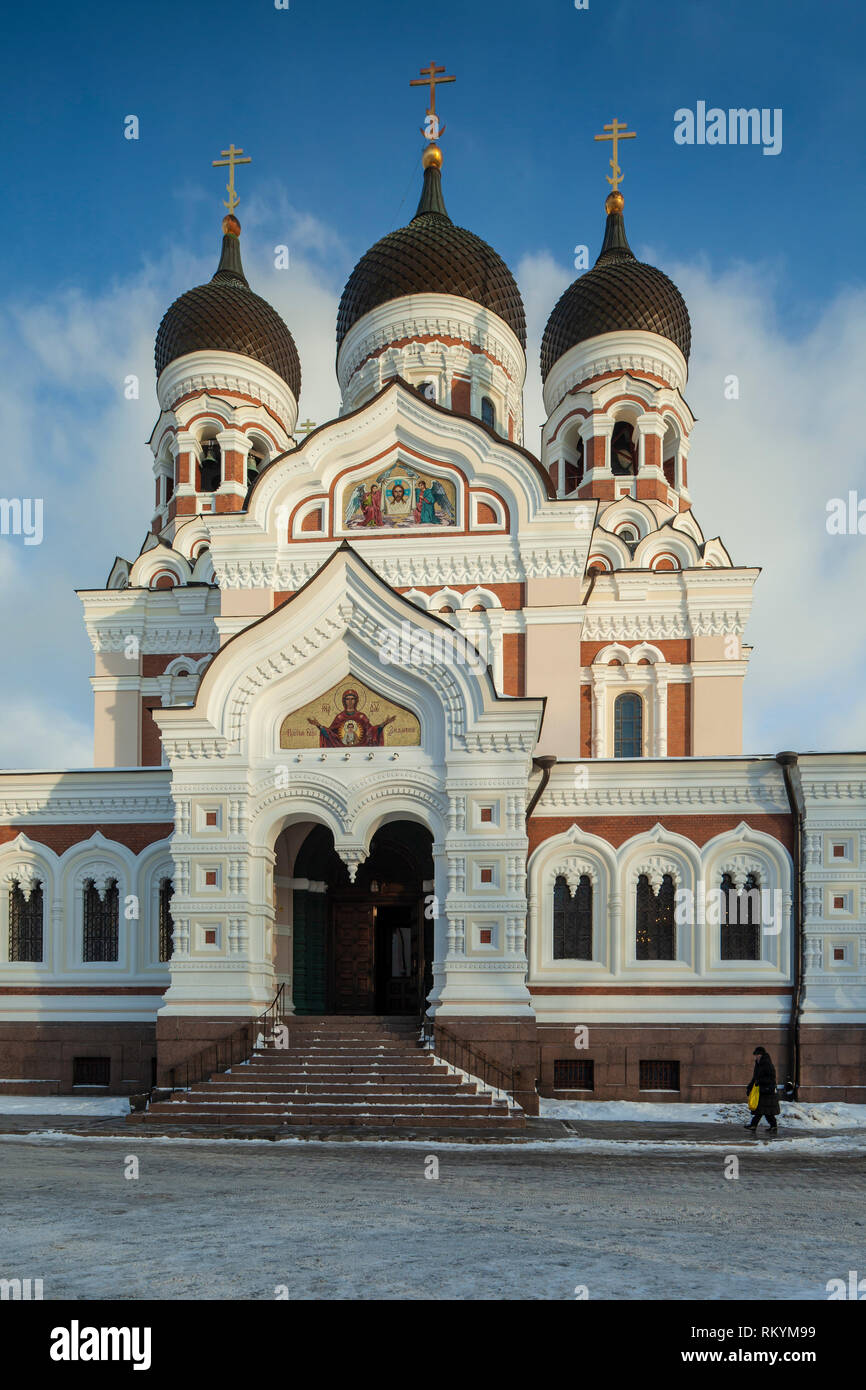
x=64 y=1105
x=824 y=1115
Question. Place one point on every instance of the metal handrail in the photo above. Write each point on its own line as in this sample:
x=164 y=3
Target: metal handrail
x=233 y=1050
x=475 y=1063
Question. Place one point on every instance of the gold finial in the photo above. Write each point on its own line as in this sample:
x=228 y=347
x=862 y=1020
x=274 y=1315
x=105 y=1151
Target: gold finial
x=231 y=157
x=618 y=130
x=431 y=129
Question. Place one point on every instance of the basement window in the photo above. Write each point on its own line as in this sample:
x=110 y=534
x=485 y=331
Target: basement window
x=91 y=1071
x=659 y=1076
x=573 y=1075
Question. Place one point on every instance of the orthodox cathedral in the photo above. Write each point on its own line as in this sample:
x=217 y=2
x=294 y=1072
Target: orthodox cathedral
x=396 y=720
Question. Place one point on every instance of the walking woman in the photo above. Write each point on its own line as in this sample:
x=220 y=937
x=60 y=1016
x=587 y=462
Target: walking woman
x=764 y=1077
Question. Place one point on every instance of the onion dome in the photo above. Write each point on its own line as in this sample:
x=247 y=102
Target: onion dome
x=619 y=294
x=226 y=316
x=431 y=256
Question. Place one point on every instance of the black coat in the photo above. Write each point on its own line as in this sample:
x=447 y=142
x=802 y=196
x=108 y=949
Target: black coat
x=764 y=1076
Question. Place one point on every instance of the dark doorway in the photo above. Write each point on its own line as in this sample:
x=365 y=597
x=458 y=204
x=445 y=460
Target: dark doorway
x=367 y=946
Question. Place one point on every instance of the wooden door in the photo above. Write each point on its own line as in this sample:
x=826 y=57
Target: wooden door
x=352 y=955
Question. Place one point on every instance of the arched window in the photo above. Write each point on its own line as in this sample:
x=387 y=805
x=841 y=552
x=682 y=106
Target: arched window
x=628 y=726
x=655 y=933
x=572 y=920
x=627 y=535
x=623 y=455
x=488 y=412
x=574 y=471
x=255 y=464
x=740 y=918
x=25 y=923
x=101 y=921
x=166 y=921
x=427 y=389
x=211 y=466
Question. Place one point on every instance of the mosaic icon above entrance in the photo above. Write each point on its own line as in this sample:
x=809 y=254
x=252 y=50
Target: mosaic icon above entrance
x=400 y=497
x=350 y=715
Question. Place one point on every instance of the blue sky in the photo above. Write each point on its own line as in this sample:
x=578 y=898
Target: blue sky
x=319 y=95
x=103 y=232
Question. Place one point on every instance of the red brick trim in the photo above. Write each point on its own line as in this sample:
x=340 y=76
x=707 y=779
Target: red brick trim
x=699 y=829
x=82 y=989
x=136 y=836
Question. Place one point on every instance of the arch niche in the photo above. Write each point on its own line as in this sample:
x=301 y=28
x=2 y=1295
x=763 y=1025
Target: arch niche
x=362 y=947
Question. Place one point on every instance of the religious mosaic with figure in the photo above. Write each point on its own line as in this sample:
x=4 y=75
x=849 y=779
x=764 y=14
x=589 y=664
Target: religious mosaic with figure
x=400 y=497
x=349 y=715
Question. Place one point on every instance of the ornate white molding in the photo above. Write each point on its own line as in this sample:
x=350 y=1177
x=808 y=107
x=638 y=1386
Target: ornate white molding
x=739 y=867
x=27 y=878
x=573 y=870
x=180 y=638
x=655 y=868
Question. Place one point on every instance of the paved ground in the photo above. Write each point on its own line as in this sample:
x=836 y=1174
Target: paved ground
x=207 y=1219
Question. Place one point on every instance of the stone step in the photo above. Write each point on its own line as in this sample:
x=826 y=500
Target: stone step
x=305 y=1085
x=329 y=1102
x=380 y=1073
x=324 y=1050
x=334 y=1099
x=371 y=1118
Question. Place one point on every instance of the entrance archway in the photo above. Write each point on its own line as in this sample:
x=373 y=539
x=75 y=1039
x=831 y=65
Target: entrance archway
x=364 y=947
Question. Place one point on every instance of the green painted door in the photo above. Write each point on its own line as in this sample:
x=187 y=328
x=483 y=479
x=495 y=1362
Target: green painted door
x=309 y=951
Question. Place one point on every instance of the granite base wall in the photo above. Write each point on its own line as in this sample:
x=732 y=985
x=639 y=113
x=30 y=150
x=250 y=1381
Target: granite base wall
x=38 y=1058
x=715 y=1061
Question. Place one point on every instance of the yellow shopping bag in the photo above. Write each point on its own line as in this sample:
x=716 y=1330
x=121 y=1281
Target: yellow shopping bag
x=754 y=1097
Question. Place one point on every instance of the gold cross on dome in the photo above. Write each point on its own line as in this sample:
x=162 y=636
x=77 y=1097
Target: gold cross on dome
x=618 y=130
x=231 y=157
x=305 y=427
x=429 y=78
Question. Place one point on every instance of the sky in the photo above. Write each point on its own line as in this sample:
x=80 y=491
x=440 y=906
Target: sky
x=103 y=232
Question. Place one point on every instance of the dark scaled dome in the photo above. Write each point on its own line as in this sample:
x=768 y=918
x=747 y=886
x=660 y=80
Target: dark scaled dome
x=226 y=316
x=431 y=256
x=619 y=293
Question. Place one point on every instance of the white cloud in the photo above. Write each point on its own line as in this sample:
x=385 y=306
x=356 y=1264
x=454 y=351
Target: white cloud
x=36 y=735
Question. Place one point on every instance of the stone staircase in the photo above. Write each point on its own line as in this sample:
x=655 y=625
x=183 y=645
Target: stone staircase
x=338 y=1072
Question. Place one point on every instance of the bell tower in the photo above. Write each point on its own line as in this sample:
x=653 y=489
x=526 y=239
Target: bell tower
x=228 y=381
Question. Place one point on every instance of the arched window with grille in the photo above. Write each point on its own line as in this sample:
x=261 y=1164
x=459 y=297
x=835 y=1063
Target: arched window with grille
x=655 y=931
x=488 y=412
x=740 y=918
x=572 y=920
x=25 y=923
x=101 y=921
x=166 y=921
x=628 y=726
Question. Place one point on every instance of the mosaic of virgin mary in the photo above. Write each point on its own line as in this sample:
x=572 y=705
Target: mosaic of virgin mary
x=351 y=728
x=350 y=715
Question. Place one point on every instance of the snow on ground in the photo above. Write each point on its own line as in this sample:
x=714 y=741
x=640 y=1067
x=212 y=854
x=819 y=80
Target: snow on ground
x=826 y=1115
x=257 y=1220
x=802 y=1144
x=64 y=1105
